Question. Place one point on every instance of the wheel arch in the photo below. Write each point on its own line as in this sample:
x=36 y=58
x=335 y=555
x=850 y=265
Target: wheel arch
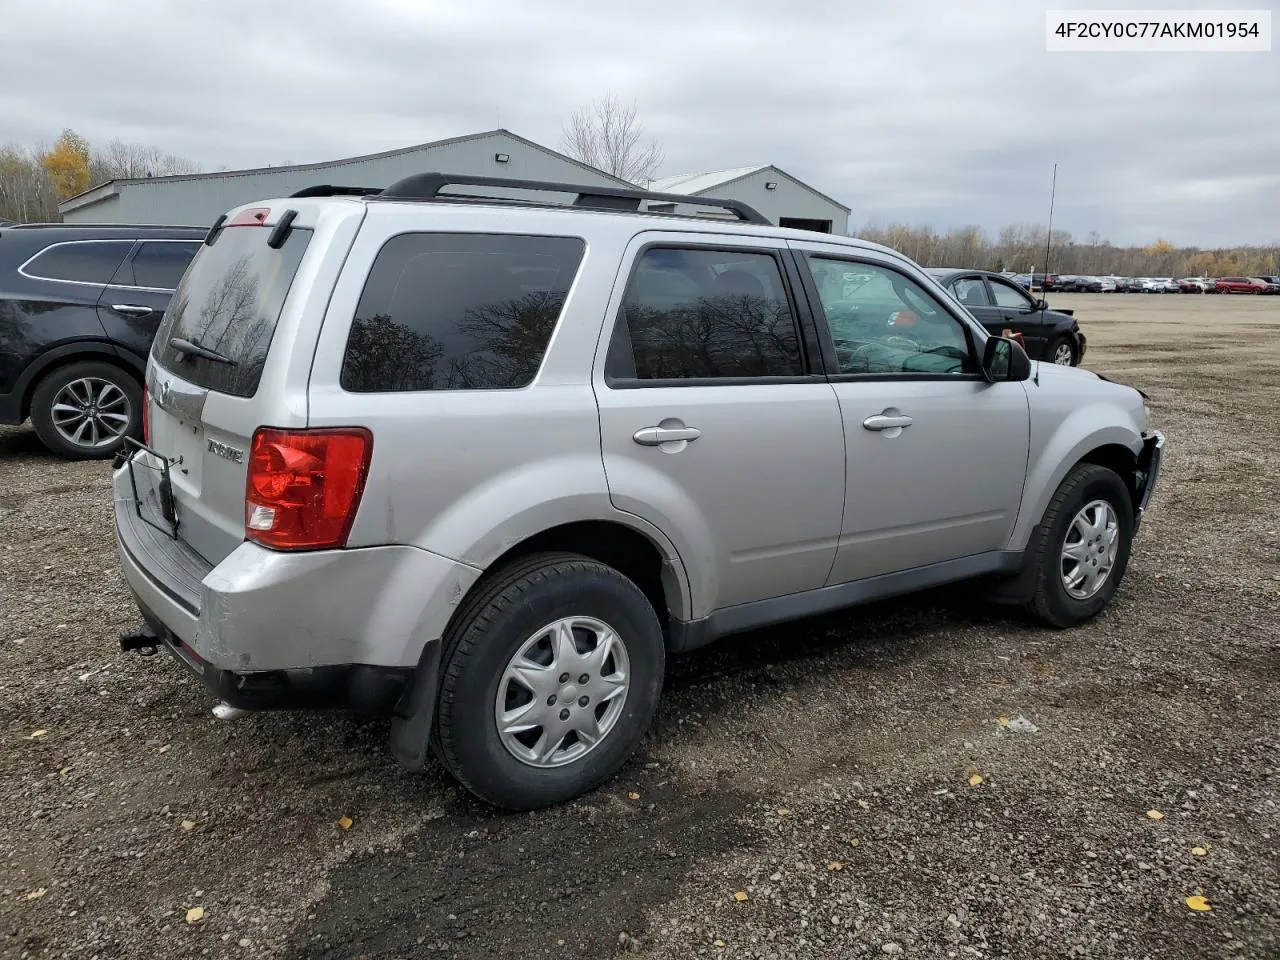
x=81 y=351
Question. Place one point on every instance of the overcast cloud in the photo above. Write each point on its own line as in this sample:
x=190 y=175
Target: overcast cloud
x=941 y=113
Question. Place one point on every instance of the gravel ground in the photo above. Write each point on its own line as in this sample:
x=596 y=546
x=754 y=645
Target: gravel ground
x=808 y=791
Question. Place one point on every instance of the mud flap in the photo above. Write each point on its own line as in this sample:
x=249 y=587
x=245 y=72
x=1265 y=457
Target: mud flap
x=411 y=728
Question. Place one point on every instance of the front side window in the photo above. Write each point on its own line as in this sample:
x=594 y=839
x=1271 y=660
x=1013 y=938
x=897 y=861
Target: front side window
x=694 y=314
x=971 y=291
x=160 y=264
x=888 y=324
x=453 y=311
x=84 y=261
x=1010 y=296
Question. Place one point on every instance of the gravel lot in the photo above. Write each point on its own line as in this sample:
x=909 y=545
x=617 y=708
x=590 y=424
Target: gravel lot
x=824 y=772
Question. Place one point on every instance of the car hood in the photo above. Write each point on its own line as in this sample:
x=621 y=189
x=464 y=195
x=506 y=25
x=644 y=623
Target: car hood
x=1050 y=374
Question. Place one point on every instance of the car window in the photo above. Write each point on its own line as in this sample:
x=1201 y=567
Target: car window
x=159 y=264
x=230 y=302
x=1010 y=296
x=454 y=311
x=971 y=291
x=704 y=314
x=81 y=261
x=888 y=324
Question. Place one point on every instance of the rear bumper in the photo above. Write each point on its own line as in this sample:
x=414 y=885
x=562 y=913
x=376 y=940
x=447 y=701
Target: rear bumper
x=261 y=611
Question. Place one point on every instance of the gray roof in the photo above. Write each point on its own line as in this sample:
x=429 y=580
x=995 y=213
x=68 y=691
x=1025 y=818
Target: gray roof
x=694 y=183
x=102 y=190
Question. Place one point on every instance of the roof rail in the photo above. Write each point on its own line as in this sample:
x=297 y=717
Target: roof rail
x=429 y=186
x=328 y=190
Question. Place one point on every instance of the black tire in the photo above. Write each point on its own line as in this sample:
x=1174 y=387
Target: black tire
x=47 y=390
x=1050 y=602
x=491 y=627
x=1052 y=350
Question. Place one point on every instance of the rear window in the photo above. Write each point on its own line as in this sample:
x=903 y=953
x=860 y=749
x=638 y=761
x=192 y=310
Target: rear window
x=229 y=302
x=451 y=311
x=80 y=261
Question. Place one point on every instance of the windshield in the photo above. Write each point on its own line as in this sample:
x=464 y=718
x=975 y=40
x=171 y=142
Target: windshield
x=228 y=303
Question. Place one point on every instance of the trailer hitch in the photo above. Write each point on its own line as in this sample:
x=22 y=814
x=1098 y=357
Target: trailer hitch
x=141 y=639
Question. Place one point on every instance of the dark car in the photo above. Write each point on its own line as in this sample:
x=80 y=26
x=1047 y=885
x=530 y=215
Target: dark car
x=1273 y=284
x=79 y=306
x=1000 y=305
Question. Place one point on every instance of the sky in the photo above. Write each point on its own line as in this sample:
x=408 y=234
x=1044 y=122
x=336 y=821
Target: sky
x=941 y=113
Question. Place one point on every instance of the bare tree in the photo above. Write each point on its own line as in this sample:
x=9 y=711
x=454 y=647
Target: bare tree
x=127 y=161
x=607 y=134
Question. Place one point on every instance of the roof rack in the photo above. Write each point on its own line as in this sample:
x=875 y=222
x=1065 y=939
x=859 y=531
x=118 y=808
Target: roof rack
x=328 y=190
x=429 y=186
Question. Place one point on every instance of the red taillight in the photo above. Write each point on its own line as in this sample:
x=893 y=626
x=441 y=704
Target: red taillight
x=304 y=486
x=146 y=415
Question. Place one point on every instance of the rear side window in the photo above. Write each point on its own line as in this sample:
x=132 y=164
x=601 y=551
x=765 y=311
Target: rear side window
x=159 y=264
x=693 y=314
x=83 y=261
x=229 y=302
x=452 y=311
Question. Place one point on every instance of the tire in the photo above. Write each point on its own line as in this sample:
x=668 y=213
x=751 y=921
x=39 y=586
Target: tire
x=86 y=383
x=1051 y=602
x=506 y=615
x=1056 y=345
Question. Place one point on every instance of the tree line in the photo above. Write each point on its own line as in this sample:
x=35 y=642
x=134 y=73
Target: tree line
x=34 y=179
x=1022 y=247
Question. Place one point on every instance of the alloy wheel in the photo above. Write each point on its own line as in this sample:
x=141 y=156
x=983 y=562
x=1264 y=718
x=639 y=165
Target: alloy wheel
x=1089 y=549
x=91 y=412
x=1063 y=355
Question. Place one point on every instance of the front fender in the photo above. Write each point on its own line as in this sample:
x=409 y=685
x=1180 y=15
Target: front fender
x=1056 y=449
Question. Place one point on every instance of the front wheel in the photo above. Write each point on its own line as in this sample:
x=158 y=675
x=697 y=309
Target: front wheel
x=1081 y=548
x=1062 y=352
x=83 y=411
x=551 y=676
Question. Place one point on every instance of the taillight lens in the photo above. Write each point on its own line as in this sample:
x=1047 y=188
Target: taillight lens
x=146 y=415
x=304 y=486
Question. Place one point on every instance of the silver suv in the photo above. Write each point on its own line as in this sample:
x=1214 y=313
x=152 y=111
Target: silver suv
x=483 y=462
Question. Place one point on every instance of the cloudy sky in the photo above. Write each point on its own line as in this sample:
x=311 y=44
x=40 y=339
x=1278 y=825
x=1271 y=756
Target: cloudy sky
x=947 y=113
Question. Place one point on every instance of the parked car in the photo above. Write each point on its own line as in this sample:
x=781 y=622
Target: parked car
x=1000 y=305
x=78 y=309
x=1191 y=285
x=1273 y=284
x=1241 y=285
x=1129 y=285
x=434 y=460
x=1106 y=285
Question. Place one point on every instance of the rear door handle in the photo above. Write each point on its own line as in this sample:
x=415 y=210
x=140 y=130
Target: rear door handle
x=656 y=436
x=132 y=309
x=885 y=422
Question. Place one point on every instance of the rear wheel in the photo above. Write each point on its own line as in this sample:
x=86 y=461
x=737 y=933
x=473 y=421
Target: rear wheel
x=83 y=411
x=550 y=678
x=1082 y=547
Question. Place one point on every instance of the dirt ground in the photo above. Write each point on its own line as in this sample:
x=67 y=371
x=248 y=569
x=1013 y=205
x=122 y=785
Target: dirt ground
x=826 y=770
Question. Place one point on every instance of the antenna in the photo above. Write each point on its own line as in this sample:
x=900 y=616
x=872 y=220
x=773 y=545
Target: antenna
x=1049 y=237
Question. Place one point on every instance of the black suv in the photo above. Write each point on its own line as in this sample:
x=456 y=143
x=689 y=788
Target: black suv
x=79 y=306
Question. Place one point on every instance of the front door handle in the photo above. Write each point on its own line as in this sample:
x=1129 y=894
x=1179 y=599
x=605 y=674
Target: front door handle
x=656 y=436
x=132 y=309
x=883 y=421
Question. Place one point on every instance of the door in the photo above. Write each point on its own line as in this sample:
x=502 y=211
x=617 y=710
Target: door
x=131 y=305
x=713 y=427
x=936 y=456
x=1020 y=314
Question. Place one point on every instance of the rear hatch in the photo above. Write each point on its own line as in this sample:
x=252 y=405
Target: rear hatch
x=207 y=366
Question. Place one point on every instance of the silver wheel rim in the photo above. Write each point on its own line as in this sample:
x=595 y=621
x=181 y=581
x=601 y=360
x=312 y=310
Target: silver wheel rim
x=91 y=412
x=562 y=692
x=1089 y=550
x=1062 y=356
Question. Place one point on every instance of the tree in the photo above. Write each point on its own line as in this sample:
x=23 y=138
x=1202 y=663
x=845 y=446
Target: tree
x=67 y=165
x=607 y=135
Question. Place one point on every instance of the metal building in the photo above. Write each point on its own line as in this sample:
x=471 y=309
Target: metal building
x=199 y=199
x=782 y=198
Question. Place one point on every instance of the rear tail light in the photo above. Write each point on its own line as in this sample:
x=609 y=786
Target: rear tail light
x=146 y=415
x=304 y=486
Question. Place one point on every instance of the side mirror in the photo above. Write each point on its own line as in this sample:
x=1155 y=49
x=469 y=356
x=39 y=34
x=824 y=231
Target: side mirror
x=1003 y=359
x=1042 y=304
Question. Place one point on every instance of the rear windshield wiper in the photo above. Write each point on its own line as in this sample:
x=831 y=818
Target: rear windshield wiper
x=182 y=345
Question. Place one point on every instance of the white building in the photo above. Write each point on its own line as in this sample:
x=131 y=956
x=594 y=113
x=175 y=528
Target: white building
x=199 y=199
x=782 y=198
